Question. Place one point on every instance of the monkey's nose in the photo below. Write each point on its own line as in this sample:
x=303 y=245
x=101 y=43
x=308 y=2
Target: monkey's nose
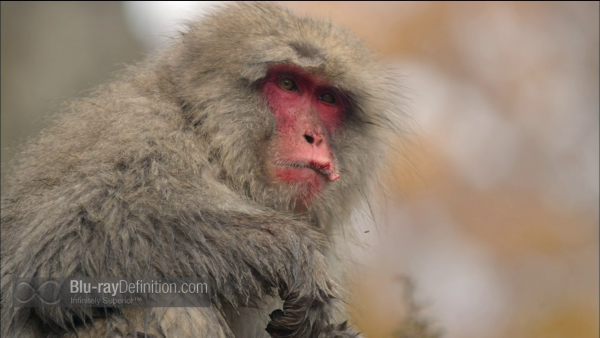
x=313 y=137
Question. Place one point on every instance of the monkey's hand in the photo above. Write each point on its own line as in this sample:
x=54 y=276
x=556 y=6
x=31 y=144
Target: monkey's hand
x=309 y=303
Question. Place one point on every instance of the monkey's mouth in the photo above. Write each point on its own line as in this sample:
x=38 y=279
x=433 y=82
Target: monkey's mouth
x=325 y=169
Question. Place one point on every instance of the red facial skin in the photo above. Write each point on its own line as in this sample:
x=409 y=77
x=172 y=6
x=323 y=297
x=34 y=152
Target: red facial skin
x=302 y=151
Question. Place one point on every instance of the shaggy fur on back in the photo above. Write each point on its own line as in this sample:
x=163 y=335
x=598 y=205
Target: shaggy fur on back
x=160 y=173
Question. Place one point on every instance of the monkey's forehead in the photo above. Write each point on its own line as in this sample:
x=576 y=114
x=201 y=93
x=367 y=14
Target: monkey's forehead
x=246 y=39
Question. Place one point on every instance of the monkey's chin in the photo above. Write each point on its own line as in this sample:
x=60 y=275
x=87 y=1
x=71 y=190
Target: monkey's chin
x=306 y=180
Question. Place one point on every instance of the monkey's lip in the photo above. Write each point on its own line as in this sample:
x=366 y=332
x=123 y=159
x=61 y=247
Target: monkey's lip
x=323 y=169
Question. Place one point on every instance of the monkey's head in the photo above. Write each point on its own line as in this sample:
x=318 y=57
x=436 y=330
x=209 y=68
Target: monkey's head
x=294 y=112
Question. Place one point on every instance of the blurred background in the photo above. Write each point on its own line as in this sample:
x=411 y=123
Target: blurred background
x=494 y=204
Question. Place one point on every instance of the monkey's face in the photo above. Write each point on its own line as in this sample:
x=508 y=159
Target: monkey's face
x=307 y=112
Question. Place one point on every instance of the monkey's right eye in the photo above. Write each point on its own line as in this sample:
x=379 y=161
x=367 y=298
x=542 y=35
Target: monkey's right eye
x=288 y=84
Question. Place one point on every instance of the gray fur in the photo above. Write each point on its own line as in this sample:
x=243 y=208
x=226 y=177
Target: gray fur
x=160 y=173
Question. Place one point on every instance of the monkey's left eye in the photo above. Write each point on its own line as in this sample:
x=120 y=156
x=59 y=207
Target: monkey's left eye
x=327 y=97
x=288 y=84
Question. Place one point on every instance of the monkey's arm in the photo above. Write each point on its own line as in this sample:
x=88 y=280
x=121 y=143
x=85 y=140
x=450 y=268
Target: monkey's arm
x=90 y=225
x=243 y=255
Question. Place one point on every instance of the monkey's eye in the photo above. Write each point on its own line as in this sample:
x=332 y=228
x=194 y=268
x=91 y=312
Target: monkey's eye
x=327 y=97
x=288 y=84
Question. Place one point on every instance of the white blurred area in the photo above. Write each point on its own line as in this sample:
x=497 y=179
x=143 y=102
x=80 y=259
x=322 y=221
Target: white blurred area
x=154 y=23
x=493 y=208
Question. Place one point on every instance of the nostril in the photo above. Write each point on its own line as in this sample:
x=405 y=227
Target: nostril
x=309 y=139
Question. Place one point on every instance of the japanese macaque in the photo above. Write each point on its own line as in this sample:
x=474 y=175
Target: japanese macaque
x=233 y=155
